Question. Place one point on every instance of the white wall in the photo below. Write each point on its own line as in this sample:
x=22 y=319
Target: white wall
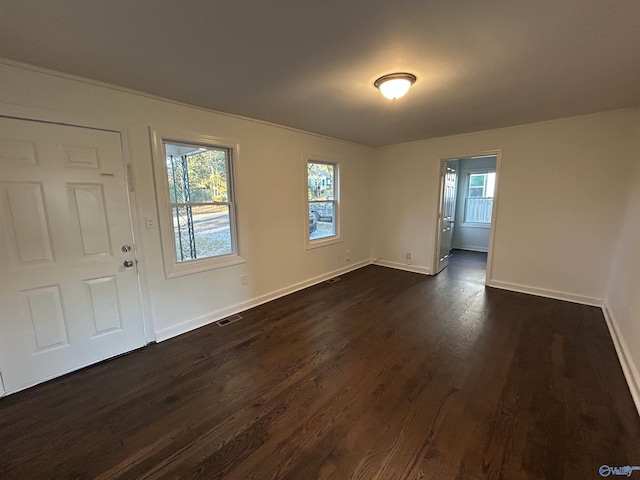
x=561 y=188
x=271 y=193
x=623 y=295
x=470 y=237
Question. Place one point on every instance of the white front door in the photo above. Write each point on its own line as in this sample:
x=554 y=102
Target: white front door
x=69 y=286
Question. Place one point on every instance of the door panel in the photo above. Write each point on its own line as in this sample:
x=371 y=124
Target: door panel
x=67 y=299
x=32 y=242
x=89 y=211
x=44 y=309
x=105 y=305
x=446 y=215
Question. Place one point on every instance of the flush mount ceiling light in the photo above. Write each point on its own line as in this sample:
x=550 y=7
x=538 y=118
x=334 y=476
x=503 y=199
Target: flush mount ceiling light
x=395 y=85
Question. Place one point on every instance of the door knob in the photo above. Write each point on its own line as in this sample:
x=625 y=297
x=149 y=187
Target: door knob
x=126 y=248
x=128 y=263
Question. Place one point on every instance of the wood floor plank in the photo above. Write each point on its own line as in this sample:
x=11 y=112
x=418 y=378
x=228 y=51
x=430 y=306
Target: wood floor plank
x=384 y=375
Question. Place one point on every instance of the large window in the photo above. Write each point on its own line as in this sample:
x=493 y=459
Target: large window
x=479 y=199
x=322 y=199
x=199 y=197
x=199 y=227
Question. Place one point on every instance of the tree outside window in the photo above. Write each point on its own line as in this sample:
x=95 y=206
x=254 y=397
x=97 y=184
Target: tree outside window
x=200 y=200
x=322 y=199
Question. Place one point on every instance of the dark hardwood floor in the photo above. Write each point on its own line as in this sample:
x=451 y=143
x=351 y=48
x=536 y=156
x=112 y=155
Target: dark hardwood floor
x=383 y=375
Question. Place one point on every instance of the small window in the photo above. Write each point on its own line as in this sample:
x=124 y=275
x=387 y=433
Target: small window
x=199 y=226
x=479 y=202
x=322 y=200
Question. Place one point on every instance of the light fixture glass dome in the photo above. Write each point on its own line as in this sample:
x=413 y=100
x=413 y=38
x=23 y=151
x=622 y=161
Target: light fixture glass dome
x=395 y=85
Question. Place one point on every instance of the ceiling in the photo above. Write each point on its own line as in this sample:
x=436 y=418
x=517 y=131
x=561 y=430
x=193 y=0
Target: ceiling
x=311 y=64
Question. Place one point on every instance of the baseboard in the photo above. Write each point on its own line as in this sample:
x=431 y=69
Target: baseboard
x=622 y=349
x=402 y=266
x=208 y=318
x=543 y=292
x=471 y=248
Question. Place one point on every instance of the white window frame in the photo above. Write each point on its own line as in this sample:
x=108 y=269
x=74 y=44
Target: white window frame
x=466 y=175
x=172 y=267
x=333 y=239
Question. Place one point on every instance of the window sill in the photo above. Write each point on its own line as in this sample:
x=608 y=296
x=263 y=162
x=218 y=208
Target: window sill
x=190 y=267
x=323 y=242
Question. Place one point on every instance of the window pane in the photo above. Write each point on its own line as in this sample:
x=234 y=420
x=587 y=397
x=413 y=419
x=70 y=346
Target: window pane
x=320 y=180
x=322 y=220
x=202 y=231
x=196 y=174
x=477 y=180
x=476 y=192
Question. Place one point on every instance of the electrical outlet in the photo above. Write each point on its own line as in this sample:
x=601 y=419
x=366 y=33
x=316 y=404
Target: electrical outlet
x=244 y=280
x=150 y=222
x=408 y=258
x=347 y=255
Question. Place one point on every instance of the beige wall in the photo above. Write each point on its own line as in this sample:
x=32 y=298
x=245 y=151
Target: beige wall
x=564 y=192
x=623 y=295
x=271 y=187
x=561 y=188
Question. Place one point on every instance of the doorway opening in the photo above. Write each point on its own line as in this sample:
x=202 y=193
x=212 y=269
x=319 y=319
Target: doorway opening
x=466 y=210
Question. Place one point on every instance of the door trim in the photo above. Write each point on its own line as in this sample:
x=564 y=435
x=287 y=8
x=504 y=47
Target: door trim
x=19 y=112
x=494 y=213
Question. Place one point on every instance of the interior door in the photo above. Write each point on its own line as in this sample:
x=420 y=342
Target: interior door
x=69 y=285
x=446 y=215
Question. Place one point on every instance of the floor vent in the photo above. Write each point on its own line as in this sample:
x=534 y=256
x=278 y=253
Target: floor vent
x=223 y=322
x=333 y=280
